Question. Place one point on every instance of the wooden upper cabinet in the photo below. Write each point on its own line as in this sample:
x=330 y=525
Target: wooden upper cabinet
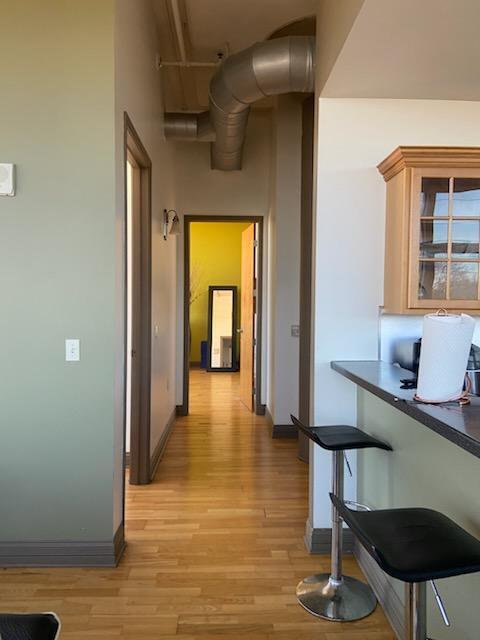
x=432 y=257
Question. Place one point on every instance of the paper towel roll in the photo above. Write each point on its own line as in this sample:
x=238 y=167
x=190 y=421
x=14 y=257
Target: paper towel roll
x=446 y=343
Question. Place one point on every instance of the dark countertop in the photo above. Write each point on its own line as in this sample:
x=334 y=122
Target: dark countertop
x=460 y=425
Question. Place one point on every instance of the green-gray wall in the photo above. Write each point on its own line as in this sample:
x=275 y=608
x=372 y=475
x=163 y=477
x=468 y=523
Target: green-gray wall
x=57 y=270
x=424 y=470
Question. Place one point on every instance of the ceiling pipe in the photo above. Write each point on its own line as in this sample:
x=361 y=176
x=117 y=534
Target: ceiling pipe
x=275 y=67
x=189 y=126
x=177 y=21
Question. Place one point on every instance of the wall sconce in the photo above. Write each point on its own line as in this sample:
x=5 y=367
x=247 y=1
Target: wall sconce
x=175 y=227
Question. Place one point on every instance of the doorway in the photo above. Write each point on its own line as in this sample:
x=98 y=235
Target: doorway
x=207 y=238
x=138 y=286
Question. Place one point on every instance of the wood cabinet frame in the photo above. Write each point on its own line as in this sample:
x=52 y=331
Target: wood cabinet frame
x=403 y=171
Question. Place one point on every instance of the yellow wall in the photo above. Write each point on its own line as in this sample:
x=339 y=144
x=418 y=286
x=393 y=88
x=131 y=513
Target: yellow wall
x=215 y=259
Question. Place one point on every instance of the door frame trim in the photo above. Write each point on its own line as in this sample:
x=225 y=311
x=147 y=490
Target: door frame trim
x=139 y=458
x=182 y=410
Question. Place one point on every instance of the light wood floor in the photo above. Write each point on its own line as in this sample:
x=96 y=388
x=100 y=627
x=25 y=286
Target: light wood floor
x=215 y=545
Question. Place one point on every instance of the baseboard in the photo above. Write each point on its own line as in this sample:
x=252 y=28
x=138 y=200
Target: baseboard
x=63 y=553
x=281 y=430
x=261 y=409
x=319 y=541
x=381 y=584
x=181 y=410
x=162 y=443
x=284 y=431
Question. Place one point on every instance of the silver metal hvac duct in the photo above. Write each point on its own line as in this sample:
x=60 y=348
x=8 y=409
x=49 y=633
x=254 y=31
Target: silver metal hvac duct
x=189 y=126
x=273 y=67
x=269 y=68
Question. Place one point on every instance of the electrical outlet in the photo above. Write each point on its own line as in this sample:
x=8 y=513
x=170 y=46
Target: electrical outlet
x=7 y=179
x=72 y=350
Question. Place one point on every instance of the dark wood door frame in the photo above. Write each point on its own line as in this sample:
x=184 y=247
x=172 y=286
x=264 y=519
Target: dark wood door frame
x=182 y=409
x=306 y=266
x=140 y=429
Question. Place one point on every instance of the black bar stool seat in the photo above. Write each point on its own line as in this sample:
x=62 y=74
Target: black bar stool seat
x=340 y=437
x=413 y=545
x=29 y=626
x=334 y=596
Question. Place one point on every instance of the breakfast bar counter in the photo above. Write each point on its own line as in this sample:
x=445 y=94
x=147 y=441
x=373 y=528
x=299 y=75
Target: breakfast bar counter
x=459 y=424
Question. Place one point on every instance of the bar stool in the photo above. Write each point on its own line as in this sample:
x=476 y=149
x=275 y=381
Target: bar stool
x=335 y=596
x=29 y=626
x=416 y=546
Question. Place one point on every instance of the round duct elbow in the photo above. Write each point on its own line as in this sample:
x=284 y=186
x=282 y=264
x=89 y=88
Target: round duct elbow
x=274 y=67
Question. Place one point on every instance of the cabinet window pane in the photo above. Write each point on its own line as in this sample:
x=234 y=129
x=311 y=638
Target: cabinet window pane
x=434 y=197
x=464 y=281
x=465 y=238
x=433 y=239
x=466 y=197
x=432 y=281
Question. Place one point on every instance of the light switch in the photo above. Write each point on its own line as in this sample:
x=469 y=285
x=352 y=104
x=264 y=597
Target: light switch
x=7 y=179
x=72 y=350
x=295 y=330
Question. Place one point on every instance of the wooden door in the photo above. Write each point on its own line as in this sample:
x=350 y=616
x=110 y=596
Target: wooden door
x=247 y=320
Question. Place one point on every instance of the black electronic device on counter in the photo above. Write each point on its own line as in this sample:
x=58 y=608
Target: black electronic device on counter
x=406 y=354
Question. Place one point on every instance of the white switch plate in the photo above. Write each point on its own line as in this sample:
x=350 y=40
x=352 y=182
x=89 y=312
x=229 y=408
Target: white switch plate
x=72 y=350
x=295 y=330
x=7 y=179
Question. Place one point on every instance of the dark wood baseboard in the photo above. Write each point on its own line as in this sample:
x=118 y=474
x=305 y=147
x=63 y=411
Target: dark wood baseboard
x=181 y=410
x=47 y=553
x=284 y=431
x=261 y=409
x=382 y=586
x=319 y=541
x=162 y=443
x=281 y=430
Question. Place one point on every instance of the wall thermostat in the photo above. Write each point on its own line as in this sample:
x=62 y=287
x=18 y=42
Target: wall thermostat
x=7 y=179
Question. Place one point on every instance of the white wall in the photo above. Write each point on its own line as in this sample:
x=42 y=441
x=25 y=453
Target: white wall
x=284 y=265
x=138 y=92
x=202 y=191
x=353 y=137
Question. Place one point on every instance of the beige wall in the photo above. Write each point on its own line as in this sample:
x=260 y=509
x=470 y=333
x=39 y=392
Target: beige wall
x=203 y=191
x=57 y=271
x=284 y=255
x=138 y=91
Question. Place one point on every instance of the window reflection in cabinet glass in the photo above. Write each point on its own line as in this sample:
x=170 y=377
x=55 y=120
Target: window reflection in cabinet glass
x=434 y=197
x=464 y=281
x=466 y=197
x=433 y=238
x=465 y=238
x=432 y=283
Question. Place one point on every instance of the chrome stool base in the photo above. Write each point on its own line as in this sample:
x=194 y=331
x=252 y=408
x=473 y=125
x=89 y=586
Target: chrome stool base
x=343 y=601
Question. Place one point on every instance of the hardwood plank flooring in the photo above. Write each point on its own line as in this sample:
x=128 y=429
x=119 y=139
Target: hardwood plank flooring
x=215 y=543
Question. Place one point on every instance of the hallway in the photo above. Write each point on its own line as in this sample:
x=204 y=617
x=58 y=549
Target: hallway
x=215 y=543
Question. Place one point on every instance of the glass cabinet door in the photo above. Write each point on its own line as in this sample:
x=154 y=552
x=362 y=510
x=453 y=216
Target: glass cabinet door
x=446 y=241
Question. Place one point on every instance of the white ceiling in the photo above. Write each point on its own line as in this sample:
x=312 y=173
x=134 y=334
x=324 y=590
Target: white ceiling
x=208 y=26
x=240 y=23
x=428 y=49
